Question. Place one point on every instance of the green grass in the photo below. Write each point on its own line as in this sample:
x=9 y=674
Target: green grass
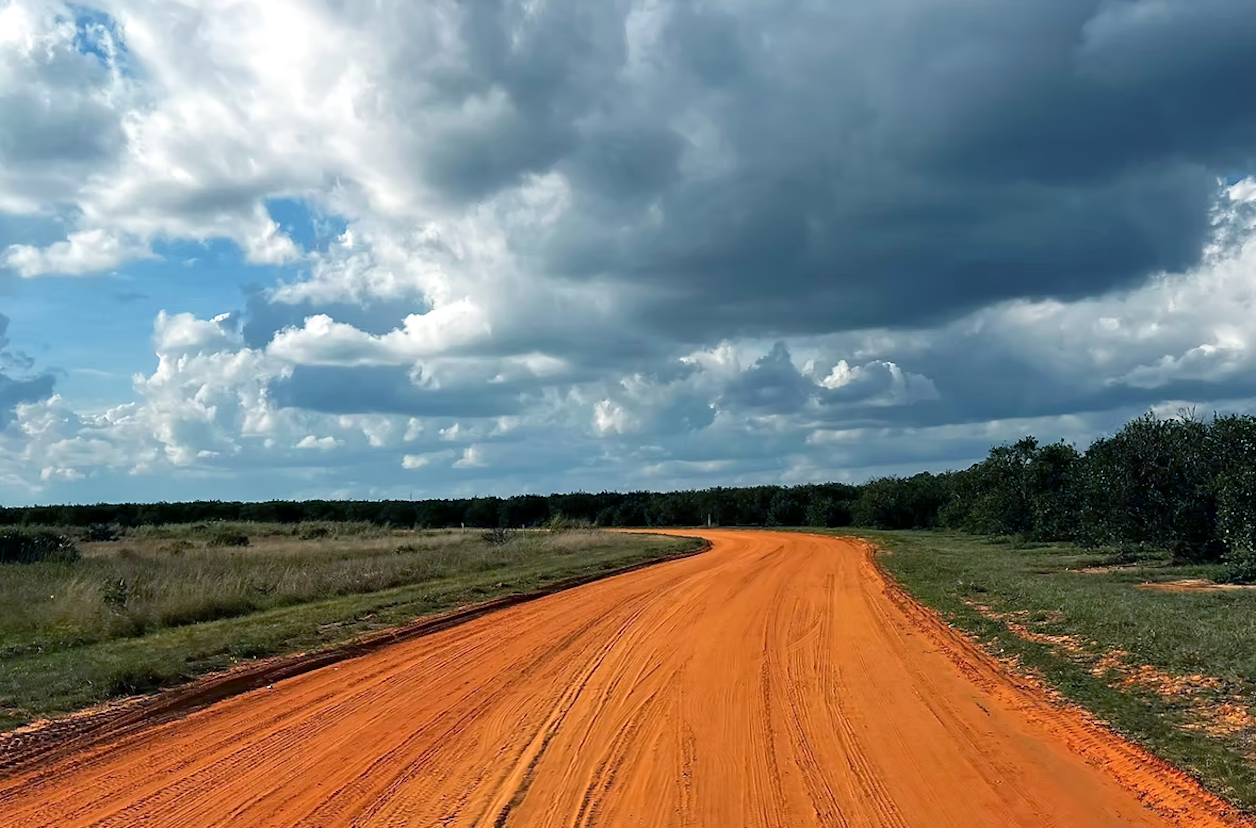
x=155 y=610
x=1200 y=647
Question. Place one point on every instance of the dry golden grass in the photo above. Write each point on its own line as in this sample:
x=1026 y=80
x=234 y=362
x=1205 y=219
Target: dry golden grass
x=165 y=603
x=172 y=576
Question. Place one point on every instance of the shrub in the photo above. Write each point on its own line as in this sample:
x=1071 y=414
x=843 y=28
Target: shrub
x=226 y=537
x=1240 y=568
x=18 y=546
x=498 y=537
x=560 y=523
x=101 y=532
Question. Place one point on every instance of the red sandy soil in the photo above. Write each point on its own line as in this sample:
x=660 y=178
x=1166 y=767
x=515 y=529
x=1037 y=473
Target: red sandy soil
x=776 y=680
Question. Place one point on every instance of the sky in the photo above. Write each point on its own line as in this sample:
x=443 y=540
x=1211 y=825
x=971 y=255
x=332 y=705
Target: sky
x=255 y=249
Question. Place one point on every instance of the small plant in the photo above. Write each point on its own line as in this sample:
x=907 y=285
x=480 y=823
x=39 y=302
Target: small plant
x=499 y=536
x=116 y=594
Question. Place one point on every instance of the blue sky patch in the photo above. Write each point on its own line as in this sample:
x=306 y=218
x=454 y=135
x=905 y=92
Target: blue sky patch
x=306 y=226
x=95 y=331
x=97 y=34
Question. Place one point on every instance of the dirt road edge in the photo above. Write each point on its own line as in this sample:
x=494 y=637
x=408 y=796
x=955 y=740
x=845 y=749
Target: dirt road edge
x=29 y=747
x=1167 y=790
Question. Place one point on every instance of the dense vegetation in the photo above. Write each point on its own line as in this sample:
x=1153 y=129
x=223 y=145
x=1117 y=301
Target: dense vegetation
x=1181 y=484
x=817 y=505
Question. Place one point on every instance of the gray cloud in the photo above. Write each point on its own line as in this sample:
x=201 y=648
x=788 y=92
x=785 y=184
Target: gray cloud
x=855 y=165
x=15 y=392
x=334 y=390
x=57 y=121
x=772 y=385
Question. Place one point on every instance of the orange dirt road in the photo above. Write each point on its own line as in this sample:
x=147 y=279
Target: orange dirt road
x=776 y=680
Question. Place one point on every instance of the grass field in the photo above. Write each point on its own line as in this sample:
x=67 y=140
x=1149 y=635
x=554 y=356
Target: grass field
x=1171 y=665
x=164 y=604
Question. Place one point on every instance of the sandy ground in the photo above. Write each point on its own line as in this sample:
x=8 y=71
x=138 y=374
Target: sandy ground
x=776 y=680
x=1195 y=585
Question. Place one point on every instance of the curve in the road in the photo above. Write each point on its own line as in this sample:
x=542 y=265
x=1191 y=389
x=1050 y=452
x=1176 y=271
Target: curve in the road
x=777 y=680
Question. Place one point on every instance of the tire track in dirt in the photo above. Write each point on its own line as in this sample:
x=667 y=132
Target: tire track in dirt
x=776 y=680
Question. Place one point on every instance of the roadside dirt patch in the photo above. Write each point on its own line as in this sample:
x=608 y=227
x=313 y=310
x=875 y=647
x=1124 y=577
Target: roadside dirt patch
x=1193 y=585
x=1210 y=705
x=1167 y=684
x=1103 y=570
x=1016 y=621
x=1225 y=719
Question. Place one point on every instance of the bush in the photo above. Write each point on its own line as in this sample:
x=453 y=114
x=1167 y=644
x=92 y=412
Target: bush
x=18 y=546
x=225 y=537
x=101 y=532
x=312 y=531
x=498 y=537
x=1239 y=568
x=559 y=523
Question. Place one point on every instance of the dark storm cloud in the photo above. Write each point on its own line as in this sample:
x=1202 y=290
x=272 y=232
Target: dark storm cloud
x=553 y=62
x=624 y=162
x=386 y=390
x=772 y=385
x=14 y=392
x=850 y=164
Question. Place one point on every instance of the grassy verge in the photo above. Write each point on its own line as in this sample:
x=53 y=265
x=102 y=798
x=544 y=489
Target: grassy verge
x=139 y=614
x=1173 y=670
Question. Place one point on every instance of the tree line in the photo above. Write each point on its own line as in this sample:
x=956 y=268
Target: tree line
x=1183 y=484
x=827 y=504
